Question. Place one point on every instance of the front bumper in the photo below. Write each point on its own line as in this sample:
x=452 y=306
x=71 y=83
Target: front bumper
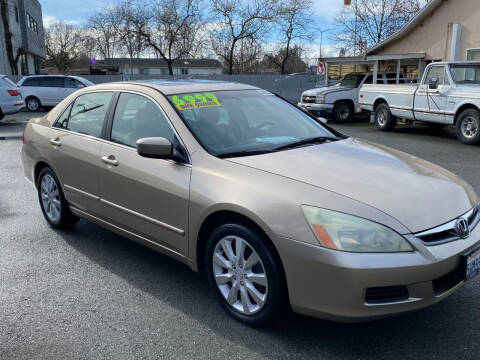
x=332 y=285
x=317 y=109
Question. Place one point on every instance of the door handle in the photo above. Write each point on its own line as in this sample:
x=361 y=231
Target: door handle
x=110 y=160
x=55 y=142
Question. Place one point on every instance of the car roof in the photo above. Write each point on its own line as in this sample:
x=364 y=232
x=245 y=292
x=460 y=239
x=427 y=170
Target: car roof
x=170 y=87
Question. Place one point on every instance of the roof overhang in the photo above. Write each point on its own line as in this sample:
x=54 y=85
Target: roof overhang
x=412 y=24
x=348 y=60
x=420 y=55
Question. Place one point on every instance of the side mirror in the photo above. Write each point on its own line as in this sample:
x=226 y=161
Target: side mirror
x=433 y=84
x=155 y=147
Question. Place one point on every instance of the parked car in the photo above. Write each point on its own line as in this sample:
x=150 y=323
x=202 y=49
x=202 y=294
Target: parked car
x=341 y=101
x=274 y=206
x=11 y=100
x=449 y=94
x=49 y=90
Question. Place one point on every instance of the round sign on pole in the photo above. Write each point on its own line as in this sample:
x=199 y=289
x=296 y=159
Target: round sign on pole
x=321 y=68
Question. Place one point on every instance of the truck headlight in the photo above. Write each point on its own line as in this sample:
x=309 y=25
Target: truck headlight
x=320 y=99
x=339 y=231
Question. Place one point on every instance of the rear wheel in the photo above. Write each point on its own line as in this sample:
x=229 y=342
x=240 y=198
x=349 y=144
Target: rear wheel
x=468 y=127
x=342 y=111
x=32 y=103
x=54 y=206
x=245 y=274
x=384 y=119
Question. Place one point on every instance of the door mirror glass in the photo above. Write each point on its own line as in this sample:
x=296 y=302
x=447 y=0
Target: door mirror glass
x=433 y=84
x=155 y=147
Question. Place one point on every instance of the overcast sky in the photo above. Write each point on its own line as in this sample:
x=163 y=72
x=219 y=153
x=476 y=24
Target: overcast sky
x=77 y=11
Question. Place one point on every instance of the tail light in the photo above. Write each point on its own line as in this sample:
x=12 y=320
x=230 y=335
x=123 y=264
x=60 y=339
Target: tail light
x=14 y=92
x=23 y=137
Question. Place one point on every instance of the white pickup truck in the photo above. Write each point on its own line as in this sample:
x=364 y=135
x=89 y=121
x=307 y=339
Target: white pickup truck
x=449 y=94
x=341 y=101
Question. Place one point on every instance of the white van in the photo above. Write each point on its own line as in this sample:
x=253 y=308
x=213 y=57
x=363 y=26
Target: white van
x=49 y=90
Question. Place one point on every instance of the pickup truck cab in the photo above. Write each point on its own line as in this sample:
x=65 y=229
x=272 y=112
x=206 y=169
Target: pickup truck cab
x=449 y=94
x=341 y=101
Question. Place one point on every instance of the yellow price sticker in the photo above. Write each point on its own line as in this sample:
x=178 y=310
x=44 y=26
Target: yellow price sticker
x=195 y=101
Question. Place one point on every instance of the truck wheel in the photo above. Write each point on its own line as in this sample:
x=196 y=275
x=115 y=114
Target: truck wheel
x=468 y=127
x=342 y=112
x=384 y=119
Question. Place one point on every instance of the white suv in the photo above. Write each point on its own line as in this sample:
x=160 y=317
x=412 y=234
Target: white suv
x=49 y=90
x=11 y=100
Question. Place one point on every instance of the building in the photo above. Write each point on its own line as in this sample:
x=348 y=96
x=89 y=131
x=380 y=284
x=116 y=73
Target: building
x=159 y=66
x=443 y=30
x=26 y=25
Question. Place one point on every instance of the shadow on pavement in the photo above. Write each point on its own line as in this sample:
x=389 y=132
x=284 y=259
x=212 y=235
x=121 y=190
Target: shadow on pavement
x=446 y=328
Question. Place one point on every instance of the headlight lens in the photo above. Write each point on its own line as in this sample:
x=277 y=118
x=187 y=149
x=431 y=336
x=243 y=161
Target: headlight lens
x=338 y=231
x=320 y=99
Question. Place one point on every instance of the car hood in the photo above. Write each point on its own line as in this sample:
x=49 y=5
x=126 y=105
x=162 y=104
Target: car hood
x=419 y=194
x=325 y=90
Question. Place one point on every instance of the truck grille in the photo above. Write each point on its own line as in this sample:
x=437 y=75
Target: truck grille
x=309 y=99
x=448 y=232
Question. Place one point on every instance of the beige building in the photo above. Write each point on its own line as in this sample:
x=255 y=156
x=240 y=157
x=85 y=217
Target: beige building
x=443 y=30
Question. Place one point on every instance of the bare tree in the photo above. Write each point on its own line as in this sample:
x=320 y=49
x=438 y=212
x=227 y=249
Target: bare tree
x=293 y=22
x=238 y=20
x=367 y=22
x=63 y=43
x=169 y=27
x=103 y=27
x=8 y=37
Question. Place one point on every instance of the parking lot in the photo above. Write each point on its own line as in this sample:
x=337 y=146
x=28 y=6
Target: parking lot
x=88 y=293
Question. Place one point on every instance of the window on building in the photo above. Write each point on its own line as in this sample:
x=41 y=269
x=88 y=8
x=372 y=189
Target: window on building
x=16 y=13
x=24 y=64
x=184 y=71
x=144 y=71
x=473 y=54
x=32 y=23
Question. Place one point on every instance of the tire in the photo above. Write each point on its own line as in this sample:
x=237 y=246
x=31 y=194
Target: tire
x=384 y=119
x=238 y=277
x=32 y=103
x=342 y=112
x=54 y=206
x=468 y=127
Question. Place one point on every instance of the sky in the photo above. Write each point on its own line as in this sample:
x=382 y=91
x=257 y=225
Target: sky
x=77 y=11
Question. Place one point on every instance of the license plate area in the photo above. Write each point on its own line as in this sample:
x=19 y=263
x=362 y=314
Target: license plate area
x=471 y=264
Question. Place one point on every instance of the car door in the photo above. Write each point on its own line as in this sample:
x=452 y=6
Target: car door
x=430 y=103
x=146 y=196
x=75 y=149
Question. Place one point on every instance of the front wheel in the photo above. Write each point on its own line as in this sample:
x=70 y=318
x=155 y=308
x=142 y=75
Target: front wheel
x=245 y=274
x=342 y=112
x=384 y=119
x=54 y=206
x=468 y=127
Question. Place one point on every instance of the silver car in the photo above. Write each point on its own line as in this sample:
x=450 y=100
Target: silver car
x=49 y=90
x=11 y=100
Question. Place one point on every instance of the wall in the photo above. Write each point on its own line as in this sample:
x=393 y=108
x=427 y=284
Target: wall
x=434 y=35
x=35 y=41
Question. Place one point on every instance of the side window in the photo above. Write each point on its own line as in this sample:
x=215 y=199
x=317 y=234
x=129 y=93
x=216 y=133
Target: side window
x=88 y=113
x=62 y=121
x=439 y=73
x=30 y=82
x=52 y=82
x=369 y=79
x=137 y=117
x=73 y=83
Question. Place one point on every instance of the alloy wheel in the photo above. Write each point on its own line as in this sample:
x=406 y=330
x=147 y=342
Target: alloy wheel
x=33 y=105
x=381 y=118
x=470 y=127
x=240 y=275
x=50 y=197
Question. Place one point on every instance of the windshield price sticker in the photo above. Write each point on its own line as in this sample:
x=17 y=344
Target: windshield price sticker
x=195 y=101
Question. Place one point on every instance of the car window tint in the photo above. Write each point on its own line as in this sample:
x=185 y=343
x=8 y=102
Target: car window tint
x=31 y=82
x=73 y=84
x=88 y=113
x=138 y=117
x=369 y=79
x=52 y=82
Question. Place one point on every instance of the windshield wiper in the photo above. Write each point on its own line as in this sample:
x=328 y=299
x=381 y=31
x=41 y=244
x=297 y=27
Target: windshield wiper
x=243 y=153
x=314 y=140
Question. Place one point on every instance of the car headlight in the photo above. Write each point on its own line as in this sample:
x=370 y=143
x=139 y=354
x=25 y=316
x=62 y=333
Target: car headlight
x=320 y=99
x=339 y=231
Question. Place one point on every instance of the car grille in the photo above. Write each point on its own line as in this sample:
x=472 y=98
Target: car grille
x=449 y=232
x=386 y=294
x=309 y=99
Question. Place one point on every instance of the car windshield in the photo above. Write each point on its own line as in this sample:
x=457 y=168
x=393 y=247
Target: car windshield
x=466 y=74
x=246 y=122
x=352 y=80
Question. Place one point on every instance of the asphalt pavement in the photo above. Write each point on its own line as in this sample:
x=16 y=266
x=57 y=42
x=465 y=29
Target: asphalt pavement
x=88 y=293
